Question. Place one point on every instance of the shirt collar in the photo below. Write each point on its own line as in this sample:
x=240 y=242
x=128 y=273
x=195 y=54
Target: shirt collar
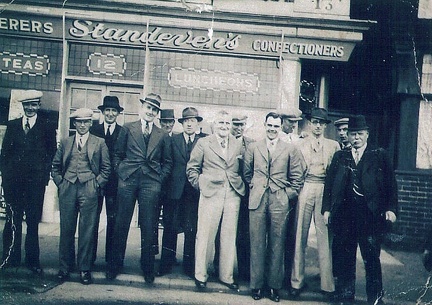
x=31 y=120
x=186 y=137
x=84 y=137
x=219 y=139
x=113 y=125
x=150 y=124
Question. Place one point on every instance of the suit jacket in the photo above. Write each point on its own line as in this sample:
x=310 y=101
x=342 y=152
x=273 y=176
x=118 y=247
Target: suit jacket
x=329 y=147
x=178 y=179
x=98 y=156
x=284 y=170
x=27 y=155
x=377 y=180
x=131 y=153
x=208 y=169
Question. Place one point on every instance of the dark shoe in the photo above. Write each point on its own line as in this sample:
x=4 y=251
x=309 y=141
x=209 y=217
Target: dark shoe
x=36 y=270
x=233 y=286
x=257 y=294
x=328 y=295
x=200 y=285
x=274 y=295
x=189 y=273
x=149 y=278
x=63 y=276
x=85 y=277
x=111 y=274
x=295 y=293
x=163 y=271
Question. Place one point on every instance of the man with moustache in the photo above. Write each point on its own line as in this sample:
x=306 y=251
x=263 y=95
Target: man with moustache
x=360 y=196
x=214 y=170
x=108 y=130
x=25 y=163
x=80 y=169
x=274 y=171
x=181 y=208
x=318 y=153
x=142 y=160
x=342 y=130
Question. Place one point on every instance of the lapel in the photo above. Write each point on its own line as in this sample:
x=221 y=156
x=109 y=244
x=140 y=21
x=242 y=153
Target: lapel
x=262 y=148
x=116 y=131
x=215 y=146
x=67 y=153
x=277 y=151
x=180 y=144
x=365 y=161
x=232 y=147
x=136 y=133
x=91 y=146
x=155 y=136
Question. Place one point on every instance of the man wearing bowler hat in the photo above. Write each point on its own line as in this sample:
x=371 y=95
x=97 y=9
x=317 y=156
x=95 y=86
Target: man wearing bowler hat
x=181 y=210
x=142 y=160
x=360 y=197
x=167 y=120
x=318 y=153
x=342 y=130
x=25 y=162
x=108 y=130
x=80 y=169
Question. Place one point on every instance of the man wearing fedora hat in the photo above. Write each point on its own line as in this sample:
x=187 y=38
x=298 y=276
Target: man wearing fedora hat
x=318 y=153
x=80 y=168
x=181 y=210
x=142 y=160
x=108 y=130
x=360 y=197
x=342 y=130
x=25 y=162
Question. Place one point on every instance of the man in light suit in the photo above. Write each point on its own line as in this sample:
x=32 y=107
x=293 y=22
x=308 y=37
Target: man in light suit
x=25 y=163
x=274 y=171
x=80 y=168
x=108 y=130
x=143 y=161
x=214 y=170
x=181 y=207
x=360 y=197
x=318 y=153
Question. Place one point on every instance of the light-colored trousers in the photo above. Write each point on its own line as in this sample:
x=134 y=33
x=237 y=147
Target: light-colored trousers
x=225 y=205
x=309 y=205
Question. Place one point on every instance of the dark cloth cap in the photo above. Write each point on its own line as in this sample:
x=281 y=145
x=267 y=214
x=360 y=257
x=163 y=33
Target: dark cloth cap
x=111 y=102
x=320 y=114
x=357 y=123
x=190 y=112
x=167 y=114
x=152 y=99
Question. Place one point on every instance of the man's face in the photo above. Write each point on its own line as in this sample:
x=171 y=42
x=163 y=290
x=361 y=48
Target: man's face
x=237 y=129
x=317 y=126
x=110 y=115
x=82 y=126
x=222 y=125
x=148 y=112
x=273 y=127
x=31 y=108
x=167 y=125
x=358 y=138
x=342 y=131
x=190 y=126
x=288 y=125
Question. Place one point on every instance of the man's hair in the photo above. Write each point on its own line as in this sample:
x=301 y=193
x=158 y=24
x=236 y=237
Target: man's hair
x=220 y=113
x=273 y=115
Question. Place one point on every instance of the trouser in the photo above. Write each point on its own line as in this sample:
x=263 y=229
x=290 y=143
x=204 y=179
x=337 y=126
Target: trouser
x=290 y=242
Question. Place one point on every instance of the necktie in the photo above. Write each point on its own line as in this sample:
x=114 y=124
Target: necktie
x=356 y=156
x=27 y=126
x=80 y=144
x=223 y=143
x=109 y=130
x=189 y=146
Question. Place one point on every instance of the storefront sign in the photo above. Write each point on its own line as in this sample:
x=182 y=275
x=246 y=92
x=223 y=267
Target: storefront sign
x=213 y=80
x=19 y=63
x=28 y=25
x=108 y=64
x=323 y=7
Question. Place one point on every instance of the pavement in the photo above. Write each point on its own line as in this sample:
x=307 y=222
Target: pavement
x=405 y=280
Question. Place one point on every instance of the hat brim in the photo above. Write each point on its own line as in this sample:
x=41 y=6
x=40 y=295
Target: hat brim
x=358 y=128
x=199 y=119
x=102 y=108
x=168 y=119
x=82 y=119
x=291 y=118
x=150 y=103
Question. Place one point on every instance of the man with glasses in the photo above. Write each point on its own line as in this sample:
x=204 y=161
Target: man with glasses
x=80 y=169
x=318 y=153
x=274 y=171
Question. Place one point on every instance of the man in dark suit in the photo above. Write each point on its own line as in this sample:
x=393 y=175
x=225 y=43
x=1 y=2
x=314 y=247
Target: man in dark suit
x=108 y=130
x=274 y=171
x=181 y=209
x=80 y=169
x=25 y=162
x=360 y=196
x=143 y=161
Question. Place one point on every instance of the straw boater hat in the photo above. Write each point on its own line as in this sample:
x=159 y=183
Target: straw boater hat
x=357 y=123
x=239 y=119
x=292 y=114
x=320 y=114
x=167 y=114
x=341 y=121
x=82 y=114
x=190 y=112
x=153 y=99
x=111 y=102
x=27 y=96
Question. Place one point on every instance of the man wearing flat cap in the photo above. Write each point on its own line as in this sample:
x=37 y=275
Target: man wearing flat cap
x=25 y=162
x=290 y=118
x=318 y=153
x=342 y=130
x=80 y=169
x=360 y=198
x=142 y=160
x=181 y=210
x=108 y=130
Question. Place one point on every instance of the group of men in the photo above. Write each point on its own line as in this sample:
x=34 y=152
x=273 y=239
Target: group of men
x=231 y=196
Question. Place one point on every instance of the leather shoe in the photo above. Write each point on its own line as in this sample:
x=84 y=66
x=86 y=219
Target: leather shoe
x=86 y=278
x=35 y=270
x=63 y=276
x=111 y=274
x=274 y=295
x=233 y=286
x=295 y=293
x=257 y=294
x=200 y=285
x=149 y=278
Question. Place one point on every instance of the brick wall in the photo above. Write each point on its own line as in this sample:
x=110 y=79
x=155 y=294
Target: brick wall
x=415 y=210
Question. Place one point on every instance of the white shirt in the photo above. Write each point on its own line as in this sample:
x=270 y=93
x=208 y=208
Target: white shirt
x=143 y=124
x=186 y=137
x=271 y=145
x=112 y=127
x=31 y=120
x=83 y=138
x=359 y=150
